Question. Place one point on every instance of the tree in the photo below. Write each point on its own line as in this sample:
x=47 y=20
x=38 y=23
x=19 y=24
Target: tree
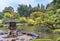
x=30 y=6
x=30 y=9
x=42 y=8
x=1 y=15
x=23 y=10
x=47 y=6
x=38 y=17
x=50 y=7
x=53 y=19
x=38 y=5
x=36 y=9
x=56 y=4
x=8 y=9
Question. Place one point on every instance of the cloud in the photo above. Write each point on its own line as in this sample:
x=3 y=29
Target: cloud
x=26 y=2
x=14 y=3
x=4 y=3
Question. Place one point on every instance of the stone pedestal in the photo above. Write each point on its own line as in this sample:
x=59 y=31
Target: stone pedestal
x=12 y=34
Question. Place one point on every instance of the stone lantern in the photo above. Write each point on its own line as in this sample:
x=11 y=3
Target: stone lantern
x=12 y=29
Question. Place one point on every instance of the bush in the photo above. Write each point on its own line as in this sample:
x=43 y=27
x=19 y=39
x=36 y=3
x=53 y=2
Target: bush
x=57 y=30
x=30 y=22
x=1 y=21
x=36 y=15
x=58 y=11
x=23 y=20
x=42 y=40
x=58 y=39
x=8 y=15
x=38 y=21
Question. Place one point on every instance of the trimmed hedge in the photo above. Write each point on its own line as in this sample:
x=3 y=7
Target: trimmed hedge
x=42 y=40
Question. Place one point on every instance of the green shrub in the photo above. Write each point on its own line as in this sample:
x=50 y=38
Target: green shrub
x=42 y=40
x=1 y=21
x=8 y=15
x=58 y=39
x=57 y=30
x=30 y=22
x=58 y=11
x=23 y=20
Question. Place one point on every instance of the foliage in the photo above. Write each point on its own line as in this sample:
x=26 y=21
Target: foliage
x=39 y=21
x=1 y=15
x=36 y=9
x=30 y=22
x=42 y=8
x=56 y=3
x=57 y=30
x=23 y=10
x=50 y=12
x=1 y=21
x=8 y=9
x=23 y=19
x=58 y=11
x=52 y=19
x=49 y=8
x=58 y=39
x=36 y=15
x=7 y=15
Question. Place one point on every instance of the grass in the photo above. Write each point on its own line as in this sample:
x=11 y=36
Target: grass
x=42 y=40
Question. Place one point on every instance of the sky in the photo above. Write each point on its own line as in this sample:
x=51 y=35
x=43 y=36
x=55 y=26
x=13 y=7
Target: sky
x=14 y=3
